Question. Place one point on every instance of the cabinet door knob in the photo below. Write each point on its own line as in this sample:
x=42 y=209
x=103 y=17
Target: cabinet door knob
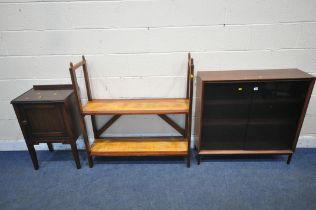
x=24 y=122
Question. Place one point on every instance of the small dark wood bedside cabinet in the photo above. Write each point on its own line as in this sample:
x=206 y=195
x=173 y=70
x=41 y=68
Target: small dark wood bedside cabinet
x=48 y=114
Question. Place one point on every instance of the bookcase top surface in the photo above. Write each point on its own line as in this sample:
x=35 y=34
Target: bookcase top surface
x=266 y=74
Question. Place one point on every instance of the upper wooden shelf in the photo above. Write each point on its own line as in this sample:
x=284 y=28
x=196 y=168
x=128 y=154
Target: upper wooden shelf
x=221 y=102
x=136 y=106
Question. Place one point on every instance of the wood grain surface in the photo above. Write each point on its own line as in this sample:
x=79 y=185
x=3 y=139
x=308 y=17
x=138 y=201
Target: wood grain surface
x=140 y=147
x=237 y=75
x=137 y=106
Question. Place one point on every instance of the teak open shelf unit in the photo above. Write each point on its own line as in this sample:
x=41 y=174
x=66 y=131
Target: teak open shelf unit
x=148 y=146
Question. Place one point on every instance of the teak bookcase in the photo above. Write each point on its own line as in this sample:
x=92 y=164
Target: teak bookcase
x=251 y=112
x=153 y=146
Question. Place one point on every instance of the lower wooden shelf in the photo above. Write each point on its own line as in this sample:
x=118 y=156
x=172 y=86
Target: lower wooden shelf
x=140 y=147
x=246 y=152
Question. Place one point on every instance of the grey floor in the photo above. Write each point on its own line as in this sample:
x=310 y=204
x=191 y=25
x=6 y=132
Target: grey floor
x=260 y=182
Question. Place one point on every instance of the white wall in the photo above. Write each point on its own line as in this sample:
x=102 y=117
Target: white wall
x=137 y=48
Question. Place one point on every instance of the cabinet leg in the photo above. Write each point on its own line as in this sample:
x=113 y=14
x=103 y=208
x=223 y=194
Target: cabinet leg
x=289 y=159
x=50 y=147
x=86 y=140
x=198 y=159
x=90 y=161
x=74 y=151
x=189 y=160
x=33 y=156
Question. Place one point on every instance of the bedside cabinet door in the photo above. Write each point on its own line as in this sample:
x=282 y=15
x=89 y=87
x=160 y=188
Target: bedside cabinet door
x=43 y=121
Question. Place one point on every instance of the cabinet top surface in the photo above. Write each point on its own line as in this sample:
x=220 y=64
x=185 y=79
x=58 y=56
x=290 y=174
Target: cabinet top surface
x=269 y=74
x=45 y=94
